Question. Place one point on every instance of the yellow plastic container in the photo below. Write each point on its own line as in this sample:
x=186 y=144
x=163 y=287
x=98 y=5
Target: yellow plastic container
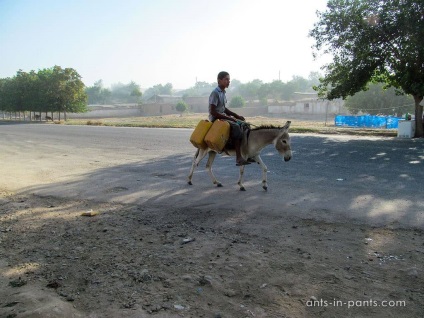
x=197 y=138
x=218 y=135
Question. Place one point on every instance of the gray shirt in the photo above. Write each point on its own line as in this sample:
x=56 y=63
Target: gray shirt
x=218 y=99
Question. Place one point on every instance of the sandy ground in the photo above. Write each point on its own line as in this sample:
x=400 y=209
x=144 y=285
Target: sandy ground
x=128 y=262
x=141 y=260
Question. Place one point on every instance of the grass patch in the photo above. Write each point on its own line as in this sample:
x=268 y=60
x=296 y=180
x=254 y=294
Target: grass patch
x=191 y=121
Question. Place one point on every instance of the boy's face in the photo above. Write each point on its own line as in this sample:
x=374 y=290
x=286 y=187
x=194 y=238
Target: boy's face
x=225 y=82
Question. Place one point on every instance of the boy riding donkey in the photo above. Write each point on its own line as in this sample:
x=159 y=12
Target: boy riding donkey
x=218 y=110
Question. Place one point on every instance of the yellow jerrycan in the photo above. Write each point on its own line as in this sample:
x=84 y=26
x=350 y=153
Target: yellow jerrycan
x=218 y=135
x=197 y=138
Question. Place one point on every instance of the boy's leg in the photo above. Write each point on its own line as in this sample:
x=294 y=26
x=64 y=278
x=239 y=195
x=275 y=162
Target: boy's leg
x=236 y=135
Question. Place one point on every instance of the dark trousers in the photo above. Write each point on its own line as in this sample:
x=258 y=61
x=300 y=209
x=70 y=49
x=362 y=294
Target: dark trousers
x=236 y=132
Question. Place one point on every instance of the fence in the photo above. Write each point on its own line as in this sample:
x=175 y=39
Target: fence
x=371 y=121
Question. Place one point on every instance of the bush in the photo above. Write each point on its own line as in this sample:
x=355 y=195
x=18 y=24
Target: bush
x=237 y=102
x=181 y=107
x=94 y=123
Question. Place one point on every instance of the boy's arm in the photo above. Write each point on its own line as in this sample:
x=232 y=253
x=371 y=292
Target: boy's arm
x=230 y=113
x=217 y=115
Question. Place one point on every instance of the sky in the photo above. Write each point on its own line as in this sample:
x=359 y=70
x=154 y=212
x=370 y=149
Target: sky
x=155 y=42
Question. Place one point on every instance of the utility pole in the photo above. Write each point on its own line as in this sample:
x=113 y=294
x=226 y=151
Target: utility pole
x=326 y=113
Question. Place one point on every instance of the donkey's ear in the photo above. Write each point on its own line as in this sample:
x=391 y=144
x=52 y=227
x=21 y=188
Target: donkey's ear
x=287 y=125
x=284 y=129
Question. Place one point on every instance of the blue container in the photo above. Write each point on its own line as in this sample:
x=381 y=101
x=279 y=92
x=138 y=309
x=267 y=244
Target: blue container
x=369 y=121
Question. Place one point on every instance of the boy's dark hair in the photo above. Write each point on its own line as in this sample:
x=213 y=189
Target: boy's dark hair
x=222 y=74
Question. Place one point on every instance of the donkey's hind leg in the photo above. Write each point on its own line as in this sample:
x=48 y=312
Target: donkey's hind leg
x=198 y=156
x=212 y=155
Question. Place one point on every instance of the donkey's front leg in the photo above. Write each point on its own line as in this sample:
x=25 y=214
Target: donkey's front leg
x=258 y=159
x=212 y=155
x=240 y=180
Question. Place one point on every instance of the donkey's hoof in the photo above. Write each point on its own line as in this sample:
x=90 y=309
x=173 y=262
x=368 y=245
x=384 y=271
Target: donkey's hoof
x=189 y=182
x=242 y=189
x=219 y=184
x=265 y=188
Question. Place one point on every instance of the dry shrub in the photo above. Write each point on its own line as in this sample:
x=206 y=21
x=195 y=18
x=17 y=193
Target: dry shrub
x=94 y=123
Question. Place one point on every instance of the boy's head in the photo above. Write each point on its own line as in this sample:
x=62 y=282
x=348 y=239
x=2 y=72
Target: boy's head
x=223 y=79
x=221 y=75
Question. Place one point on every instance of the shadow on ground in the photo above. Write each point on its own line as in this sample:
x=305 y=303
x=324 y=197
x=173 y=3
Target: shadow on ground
x=375 y=181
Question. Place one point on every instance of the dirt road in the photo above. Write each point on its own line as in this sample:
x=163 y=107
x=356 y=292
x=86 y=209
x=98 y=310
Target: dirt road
x=158 y=256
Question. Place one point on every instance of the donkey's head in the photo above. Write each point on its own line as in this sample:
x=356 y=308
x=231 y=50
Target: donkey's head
x=282 y=142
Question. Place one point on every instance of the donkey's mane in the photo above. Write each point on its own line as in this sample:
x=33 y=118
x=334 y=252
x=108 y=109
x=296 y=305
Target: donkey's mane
x=267 y=127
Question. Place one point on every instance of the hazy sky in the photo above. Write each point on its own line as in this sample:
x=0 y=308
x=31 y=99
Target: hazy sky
x=160 y=41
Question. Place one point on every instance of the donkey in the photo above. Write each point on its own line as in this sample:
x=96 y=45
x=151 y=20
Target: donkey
x=253 y=142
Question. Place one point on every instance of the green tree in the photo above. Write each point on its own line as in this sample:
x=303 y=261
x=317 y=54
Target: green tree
x=106 y=96
x=237 y=102
x=74 y=99
x=203 y=88
x=71 y=96
x=25 y=91
x=98 y=94
x=181 y=107
x=136 y=92
x=377 y=100
x=250 y=90
x=372 y=40
x=125 y=93
x=61 y=90
x=158 y=89
x=199 y=89
x=287 y=90
x=235 y=83
x=49 y=90
x=264 y=92
x=6 y=95
x=275 y=89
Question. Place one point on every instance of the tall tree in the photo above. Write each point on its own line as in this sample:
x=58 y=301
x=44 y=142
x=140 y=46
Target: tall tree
x=25 y=91
x=62 y=90
x=372 y=40
x=7 y=95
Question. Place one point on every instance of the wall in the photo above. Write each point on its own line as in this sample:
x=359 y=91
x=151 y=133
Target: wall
x=200 y=105
x=312 y=107
x=107 y=113
x=158 y=109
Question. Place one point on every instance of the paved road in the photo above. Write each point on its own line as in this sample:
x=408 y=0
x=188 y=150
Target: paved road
x=330 y=178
